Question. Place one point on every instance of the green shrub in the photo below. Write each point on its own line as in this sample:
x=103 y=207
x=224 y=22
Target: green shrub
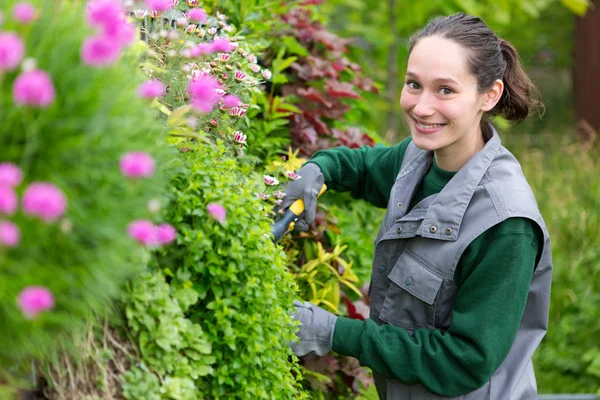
x=76 y=144
x=221 y=324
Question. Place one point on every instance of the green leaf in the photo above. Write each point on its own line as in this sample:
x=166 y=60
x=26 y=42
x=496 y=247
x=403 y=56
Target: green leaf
x=578 y=7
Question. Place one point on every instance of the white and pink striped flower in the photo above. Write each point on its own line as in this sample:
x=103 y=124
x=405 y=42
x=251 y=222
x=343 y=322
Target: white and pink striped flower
x=240 y=76
x=224 y=75
x=239 y=137
x=229 y=28
x=255 y=68
x=262 y=196
x=234 y=45
x=223 y=57
x=193 y=65
x=212 y=31
x=220 y=91
x=237 y=112
x=270 y=180
x=181 y=22
x=279 y=195
x=174 y=3
x=292 y=175
x=191 y=28
x=278 y=202
x=192 y=3
x=252 y=58
x=140 y=13
x=266 y=74
x=154 y=13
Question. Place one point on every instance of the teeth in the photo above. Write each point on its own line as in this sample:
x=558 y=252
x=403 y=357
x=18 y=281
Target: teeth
x=429 y=126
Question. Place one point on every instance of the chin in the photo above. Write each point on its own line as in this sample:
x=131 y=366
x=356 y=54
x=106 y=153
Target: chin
x=425 y=143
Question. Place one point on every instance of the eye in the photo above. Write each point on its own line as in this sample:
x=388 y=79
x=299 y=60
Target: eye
x=446 y=90
x=412 y=84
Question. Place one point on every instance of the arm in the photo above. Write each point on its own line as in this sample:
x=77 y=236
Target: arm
x=496 y=272
x=367 y=172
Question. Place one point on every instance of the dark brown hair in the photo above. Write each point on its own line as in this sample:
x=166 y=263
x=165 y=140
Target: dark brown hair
x=489 y=58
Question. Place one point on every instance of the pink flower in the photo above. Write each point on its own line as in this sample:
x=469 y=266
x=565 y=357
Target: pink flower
x=151 y=89
x=24 y=12
x=237 y=112
x=231 y=100
x=239 y=137
x=34 y=88
x=174 y=3
x=44 y=200
x=165 y=234
x=34 y=299
x=222 y=45
x=266 y=74
x=143 y=231
x=292 y=175
x=279 y=195
x=137 y=165
x=240 y=76
x=98 y=51
x=223 y=57
x=102 y=13
x=262 y=196
x=197 y=15
x=270 y=180
x=202 y=93
x=192 y=3
x=8 y=200
x=10 y=174
x=10 y=235
x=255 y=68
x=212 y=31
x=140 y=13
x=159 y=5
x=191 y=28
x=252 y=58
x=11 y=50
x=154 y=13
x=278 y=202
x=217 y=211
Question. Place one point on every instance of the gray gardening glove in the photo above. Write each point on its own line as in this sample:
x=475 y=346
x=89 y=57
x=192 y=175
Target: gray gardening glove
x=306 y=188
x=316 y=331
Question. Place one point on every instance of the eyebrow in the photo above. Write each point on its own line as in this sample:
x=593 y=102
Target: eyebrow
x=437 y=80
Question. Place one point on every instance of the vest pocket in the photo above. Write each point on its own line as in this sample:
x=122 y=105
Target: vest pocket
x=410 y=300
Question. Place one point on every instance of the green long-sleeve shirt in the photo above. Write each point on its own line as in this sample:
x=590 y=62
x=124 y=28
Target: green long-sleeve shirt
x=493 y=279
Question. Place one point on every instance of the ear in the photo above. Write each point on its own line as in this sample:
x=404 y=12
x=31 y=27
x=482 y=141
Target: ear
x=492 y=96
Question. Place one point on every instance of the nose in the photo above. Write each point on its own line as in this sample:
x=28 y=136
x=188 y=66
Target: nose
x=424 y=107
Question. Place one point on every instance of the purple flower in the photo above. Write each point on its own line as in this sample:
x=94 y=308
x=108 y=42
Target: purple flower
x=10 y=174
x=10 y=235
x=44 y=200
x=222 y=45
x=34 y=299
x=231 y=100
x=197 y=15
x=137 y=165
x=11 y=50
x=143 y=231
x=100 y=50
x=202 y=93
x=34 y=88
x=24 y=12
x=217 y=211
x=165 y=234
x=8 y=200
x=159 y=5
x=151 y=89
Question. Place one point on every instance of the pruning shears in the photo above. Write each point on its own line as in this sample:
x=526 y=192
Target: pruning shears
x=286 y=223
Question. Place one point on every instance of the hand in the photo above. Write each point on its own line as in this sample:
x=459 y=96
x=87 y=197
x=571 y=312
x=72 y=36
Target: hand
x=316 y=330
x=306 y=188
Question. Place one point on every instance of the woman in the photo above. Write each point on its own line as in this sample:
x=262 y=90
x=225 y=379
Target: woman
x=462 y=265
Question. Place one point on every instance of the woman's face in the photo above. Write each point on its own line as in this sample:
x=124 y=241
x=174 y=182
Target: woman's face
x=440 y=99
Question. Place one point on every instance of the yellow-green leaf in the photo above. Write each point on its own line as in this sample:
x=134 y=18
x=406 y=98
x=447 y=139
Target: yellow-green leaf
x=578 y=7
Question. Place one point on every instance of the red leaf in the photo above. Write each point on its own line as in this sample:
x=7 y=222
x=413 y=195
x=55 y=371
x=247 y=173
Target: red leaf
x=313 y=94
x=341 y=89
x=356 y=310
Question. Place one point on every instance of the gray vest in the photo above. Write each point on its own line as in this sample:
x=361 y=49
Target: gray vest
x=416 y=254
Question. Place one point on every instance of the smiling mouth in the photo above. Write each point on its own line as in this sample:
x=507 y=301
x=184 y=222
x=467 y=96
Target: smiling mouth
x=428 y=126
